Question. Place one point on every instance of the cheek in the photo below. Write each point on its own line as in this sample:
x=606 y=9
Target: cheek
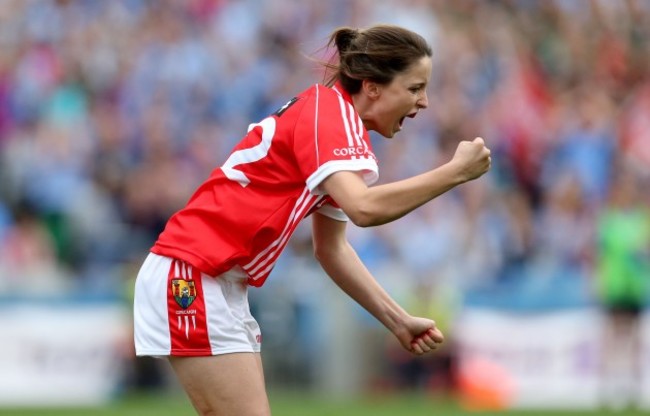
x=396 y=106
x=405 y=102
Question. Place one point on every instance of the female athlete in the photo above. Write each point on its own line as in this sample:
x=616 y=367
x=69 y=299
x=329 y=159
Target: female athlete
x=311 y=157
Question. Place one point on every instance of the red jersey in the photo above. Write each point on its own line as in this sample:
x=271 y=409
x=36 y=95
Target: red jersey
x=245 y=212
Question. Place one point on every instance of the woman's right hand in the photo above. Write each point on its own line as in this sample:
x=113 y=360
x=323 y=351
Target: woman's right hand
x=472 y=158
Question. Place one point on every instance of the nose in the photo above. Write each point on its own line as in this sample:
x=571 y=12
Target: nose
x=423 y=100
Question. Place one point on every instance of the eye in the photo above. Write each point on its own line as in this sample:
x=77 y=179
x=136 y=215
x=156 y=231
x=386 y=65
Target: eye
x=416 y=89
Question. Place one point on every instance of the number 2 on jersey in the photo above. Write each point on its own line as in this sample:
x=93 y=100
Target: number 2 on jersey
x=252 y=154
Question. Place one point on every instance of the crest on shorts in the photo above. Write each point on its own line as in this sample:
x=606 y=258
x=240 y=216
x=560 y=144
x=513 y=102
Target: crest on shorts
x=184 y=292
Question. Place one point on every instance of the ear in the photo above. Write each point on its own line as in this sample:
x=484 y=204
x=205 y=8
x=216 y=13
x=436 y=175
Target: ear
x=371 y=89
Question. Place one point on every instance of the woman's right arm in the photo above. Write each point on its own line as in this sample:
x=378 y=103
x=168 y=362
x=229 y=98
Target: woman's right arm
x=370 y=206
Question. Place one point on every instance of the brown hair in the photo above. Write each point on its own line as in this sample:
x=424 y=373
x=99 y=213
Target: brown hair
x=378 y=54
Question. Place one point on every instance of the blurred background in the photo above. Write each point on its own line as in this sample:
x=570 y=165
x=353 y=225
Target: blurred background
x=112 y=112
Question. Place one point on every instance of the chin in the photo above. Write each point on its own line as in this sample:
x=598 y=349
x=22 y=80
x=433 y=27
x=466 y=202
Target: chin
x=388 y=133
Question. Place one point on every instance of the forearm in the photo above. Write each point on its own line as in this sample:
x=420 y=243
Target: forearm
x=345 y=269
x=371 y=206
x=386 y=203
x=340 y=261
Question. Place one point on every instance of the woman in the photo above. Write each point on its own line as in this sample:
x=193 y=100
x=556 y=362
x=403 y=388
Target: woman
x=311 y=157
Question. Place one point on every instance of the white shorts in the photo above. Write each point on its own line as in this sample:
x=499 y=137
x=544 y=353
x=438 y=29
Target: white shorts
x=182 y=312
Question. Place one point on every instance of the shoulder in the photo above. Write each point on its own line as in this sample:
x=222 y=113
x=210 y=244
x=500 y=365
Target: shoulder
x=320 y=93
x=301 y=99
x=317 y=100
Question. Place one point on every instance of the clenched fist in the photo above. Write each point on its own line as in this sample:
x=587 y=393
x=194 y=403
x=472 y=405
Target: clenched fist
x=419 y=335
x=472 y=159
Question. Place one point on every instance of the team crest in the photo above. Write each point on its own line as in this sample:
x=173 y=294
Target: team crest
x=184 y=292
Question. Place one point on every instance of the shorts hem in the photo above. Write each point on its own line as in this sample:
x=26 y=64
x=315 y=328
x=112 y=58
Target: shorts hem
x=195 y=353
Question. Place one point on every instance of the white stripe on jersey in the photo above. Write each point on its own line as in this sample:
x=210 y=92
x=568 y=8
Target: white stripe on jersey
x=303 y=204
x=346 y=122
x=353 y=125
x=275 y=254
x=356 y=126
x=304 y=194
x=282 y=241
x=316 y=127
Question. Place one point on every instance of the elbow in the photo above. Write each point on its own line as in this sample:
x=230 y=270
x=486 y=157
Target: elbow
x=330 y=250
x=318 y=254
x=363 y=214
x=324 y=254
x=363 y=221
x=322 y=250
x=366 y=218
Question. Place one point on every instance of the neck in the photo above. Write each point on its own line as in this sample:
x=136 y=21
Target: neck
x=364 y=107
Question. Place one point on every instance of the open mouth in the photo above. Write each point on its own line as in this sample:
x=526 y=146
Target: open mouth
x=411 y=115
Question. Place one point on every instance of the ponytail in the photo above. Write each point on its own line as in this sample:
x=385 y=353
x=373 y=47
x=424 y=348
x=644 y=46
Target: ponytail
x=343 y=39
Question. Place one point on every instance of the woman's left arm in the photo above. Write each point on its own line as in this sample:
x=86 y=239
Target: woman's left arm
x=341 y=262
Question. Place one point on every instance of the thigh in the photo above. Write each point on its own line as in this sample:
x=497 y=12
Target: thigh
x=228 y=384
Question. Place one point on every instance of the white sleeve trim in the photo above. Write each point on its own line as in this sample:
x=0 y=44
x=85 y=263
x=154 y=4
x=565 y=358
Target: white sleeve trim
x=367 y=167
x=333 y=213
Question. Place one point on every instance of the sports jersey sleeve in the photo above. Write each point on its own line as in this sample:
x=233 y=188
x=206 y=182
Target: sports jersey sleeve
x=330 y=137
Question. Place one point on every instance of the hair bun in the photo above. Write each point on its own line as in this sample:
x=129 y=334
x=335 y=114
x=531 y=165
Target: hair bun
x=344 y=37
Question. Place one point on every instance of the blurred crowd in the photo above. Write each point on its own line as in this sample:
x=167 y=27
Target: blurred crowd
x=112 y=112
